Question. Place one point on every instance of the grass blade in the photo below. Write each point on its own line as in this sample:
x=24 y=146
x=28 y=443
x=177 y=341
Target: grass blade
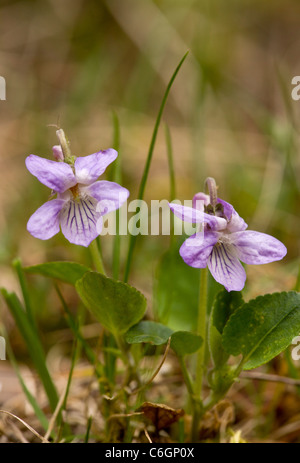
x=33 y=344
x=132 y=239
x=171 y=163
x=31 y=399
x=20 y=272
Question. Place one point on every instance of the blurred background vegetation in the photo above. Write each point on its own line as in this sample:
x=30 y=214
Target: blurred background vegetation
x=231 y=116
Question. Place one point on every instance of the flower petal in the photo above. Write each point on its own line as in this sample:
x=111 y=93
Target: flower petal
x=89 y=168
x=200 y=200
x=257 y=248
x=226 y=268
x=110 y=195
x=78 y=221
x=58 y=176
x=196 y=249
x=189 y=214
x=228 y=208
x=235 y=222
x=44 y=223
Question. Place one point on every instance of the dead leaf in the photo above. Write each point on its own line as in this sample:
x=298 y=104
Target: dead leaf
x=161 y=415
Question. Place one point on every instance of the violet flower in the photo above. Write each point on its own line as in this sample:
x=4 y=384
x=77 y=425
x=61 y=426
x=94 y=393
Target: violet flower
x=81 y=200
x=224 y=241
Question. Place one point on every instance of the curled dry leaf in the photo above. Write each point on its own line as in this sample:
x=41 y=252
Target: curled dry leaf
x=161 y=415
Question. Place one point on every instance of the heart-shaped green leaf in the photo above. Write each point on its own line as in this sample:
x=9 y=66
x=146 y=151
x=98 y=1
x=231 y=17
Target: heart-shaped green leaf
x=225 y=304
x=176 y=291
x=69 y=272
x=185 y=342
x=116 y=305
x=170 y=299
x=263 y=327
x=148 y=331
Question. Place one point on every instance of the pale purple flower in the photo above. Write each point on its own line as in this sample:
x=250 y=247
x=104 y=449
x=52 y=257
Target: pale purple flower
x=81 y=199
x=224 y=242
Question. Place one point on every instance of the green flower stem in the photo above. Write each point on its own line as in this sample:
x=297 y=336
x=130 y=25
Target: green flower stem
x=97 y=256
x=126 y=356
x=187 y=378
x=201 y=331
x=122 y=347
x=128 y=360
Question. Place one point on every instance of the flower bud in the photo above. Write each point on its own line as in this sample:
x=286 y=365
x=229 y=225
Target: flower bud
x=200 y=200
x=58 y=153
x=212 y=189
x=65 y=146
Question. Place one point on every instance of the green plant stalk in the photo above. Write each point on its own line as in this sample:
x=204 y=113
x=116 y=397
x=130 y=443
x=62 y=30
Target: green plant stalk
x=216 y=395
x=116 y=249
x=74 y=357
x=97 y=256
x=200 y=364
x=81 y=342
x=117 y=178
x=107 y=343
x=132 y=239
x=88 y=429
x=98 y=262
x=128 y=359
x=131 y=372
x=187 y=378
x=122 y=347
x=24 y=288
x=201 y=331
x=76 y=330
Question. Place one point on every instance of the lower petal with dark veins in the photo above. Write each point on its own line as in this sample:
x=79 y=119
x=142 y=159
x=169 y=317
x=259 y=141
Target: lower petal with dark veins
x=78 y=221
